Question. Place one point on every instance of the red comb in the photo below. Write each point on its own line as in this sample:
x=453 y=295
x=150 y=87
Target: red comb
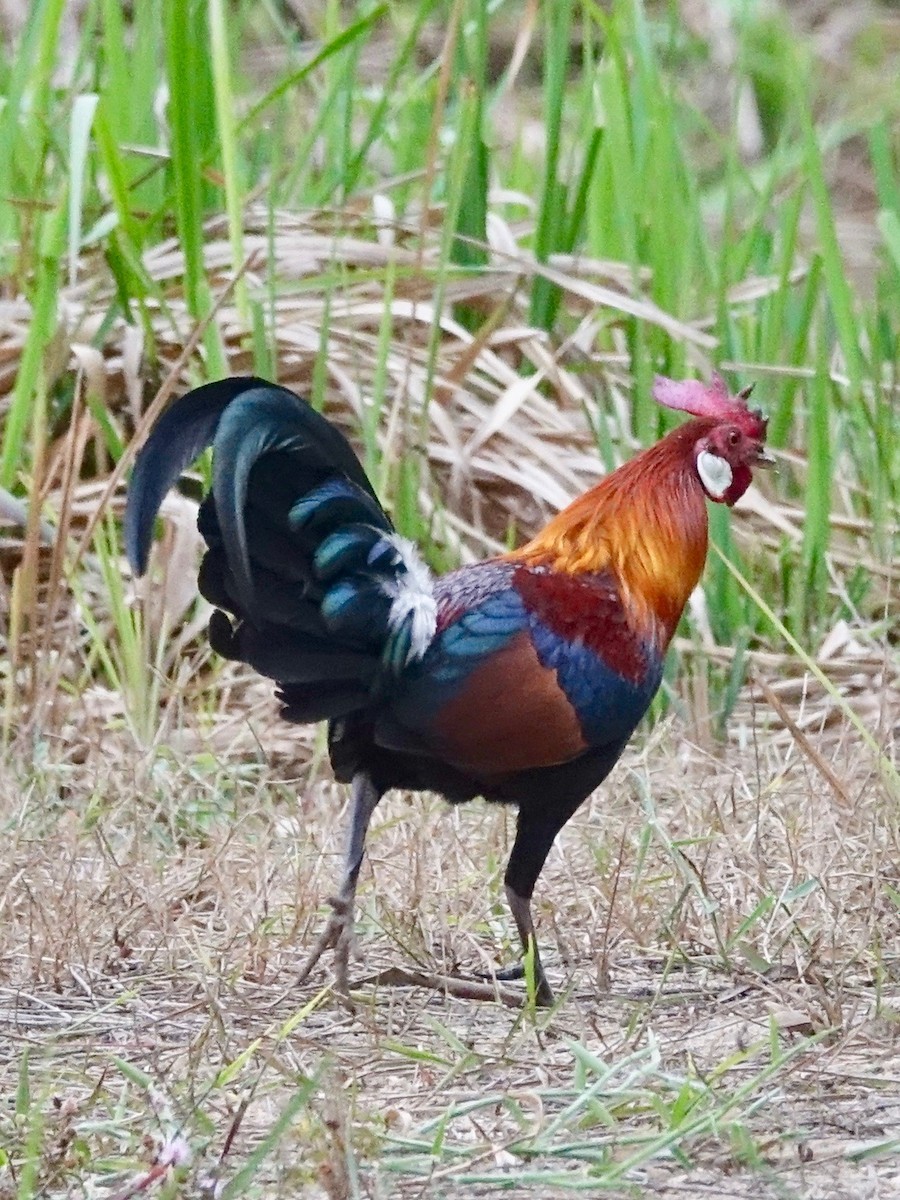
x=711 y=400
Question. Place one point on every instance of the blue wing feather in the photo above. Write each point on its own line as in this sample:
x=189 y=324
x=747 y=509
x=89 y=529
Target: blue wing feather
x=608 y=705
x=496 y=671
x=477 y=634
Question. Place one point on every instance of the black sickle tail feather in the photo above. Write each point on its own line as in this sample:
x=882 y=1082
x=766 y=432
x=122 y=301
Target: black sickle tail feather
x=300 y=550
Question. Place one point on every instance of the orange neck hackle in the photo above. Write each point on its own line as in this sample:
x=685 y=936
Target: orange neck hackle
x=646 y=522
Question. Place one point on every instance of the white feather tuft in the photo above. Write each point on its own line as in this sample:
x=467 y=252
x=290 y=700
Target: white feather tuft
x=411 y=593
x=715 y=474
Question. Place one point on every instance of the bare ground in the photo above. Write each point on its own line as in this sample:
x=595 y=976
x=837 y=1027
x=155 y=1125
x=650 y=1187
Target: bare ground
x=720 y=923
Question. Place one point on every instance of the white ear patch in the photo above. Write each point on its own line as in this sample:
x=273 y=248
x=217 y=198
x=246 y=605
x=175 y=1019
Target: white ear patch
x=715 y=474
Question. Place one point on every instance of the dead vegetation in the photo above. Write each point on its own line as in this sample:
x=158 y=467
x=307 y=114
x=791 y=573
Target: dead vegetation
x=727 y=921
x=727 y=913
x=721 y=918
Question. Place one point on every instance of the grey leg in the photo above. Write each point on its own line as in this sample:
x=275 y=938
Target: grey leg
x=520 y=907
x=338 y=933
x=535 y=831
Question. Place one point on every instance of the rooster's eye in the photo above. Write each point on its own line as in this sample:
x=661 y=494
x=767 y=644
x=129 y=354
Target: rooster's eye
x=733 y=438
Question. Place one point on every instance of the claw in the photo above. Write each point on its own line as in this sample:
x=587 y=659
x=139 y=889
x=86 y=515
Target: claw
x=510 y=973
x=338 y=935
x=543 y=993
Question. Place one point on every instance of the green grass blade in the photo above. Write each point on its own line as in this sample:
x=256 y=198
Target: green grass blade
x=468 y=248
x=233 y=181
x=551 y=215
x=839 y=295
x=79 y=145
x=238 y=1185
x=817 y=522
x=341 y=41
x=41 y=330
x=194 y=135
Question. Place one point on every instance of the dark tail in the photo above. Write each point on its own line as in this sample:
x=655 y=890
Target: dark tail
x=329 y=601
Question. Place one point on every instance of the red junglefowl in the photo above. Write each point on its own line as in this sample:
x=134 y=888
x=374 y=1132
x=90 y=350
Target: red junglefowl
x=519 y=679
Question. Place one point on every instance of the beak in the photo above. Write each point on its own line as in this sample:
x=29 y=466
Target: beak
x=764 y=459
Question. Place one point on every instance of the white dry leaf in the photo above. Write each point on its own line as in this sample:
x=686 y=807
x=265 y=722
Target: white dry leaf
x=532 y=1103
x=290 y=829
x=500 y=237
x=132 y=358
x=398 y=1120
x=699 y=610
x=505 y=409
x=15 y=512
x=178 y=555
x=508 y=196
x=645 y=310
x=385 y=219
x=100 y=705
x=92 y=365
x=840 y=641
x=753 y=501
x=792 y=1019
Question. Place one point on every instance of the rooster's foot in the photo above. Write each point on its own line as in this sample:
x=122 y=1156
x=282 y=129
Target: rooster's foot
x=508 y=974
x=337 y=936
x=543 y=993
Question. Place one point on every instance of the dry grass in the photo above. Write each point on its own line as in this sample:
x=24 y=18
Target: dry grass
x=508 y=436
x=155 y=906
x=719 y=920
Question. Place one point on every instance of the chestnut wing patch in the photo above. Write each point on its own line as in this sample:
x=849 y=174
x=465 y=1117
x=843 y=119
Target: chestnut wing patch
x=519 y=680
x=509 y=714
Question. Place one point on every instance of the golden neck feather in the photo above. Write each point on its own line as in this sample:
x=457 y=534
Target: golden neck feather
x=646 y=522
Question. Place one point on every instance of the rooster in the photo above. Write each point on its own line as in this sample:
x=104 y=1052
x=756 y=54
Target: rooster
x=519 y=679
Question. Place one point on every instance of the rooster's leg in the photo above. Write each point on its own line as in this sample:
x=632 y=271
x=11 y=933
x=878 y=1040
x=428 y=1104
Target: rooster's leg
x=338 y=933
x=535 y=832
x=520 y=907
